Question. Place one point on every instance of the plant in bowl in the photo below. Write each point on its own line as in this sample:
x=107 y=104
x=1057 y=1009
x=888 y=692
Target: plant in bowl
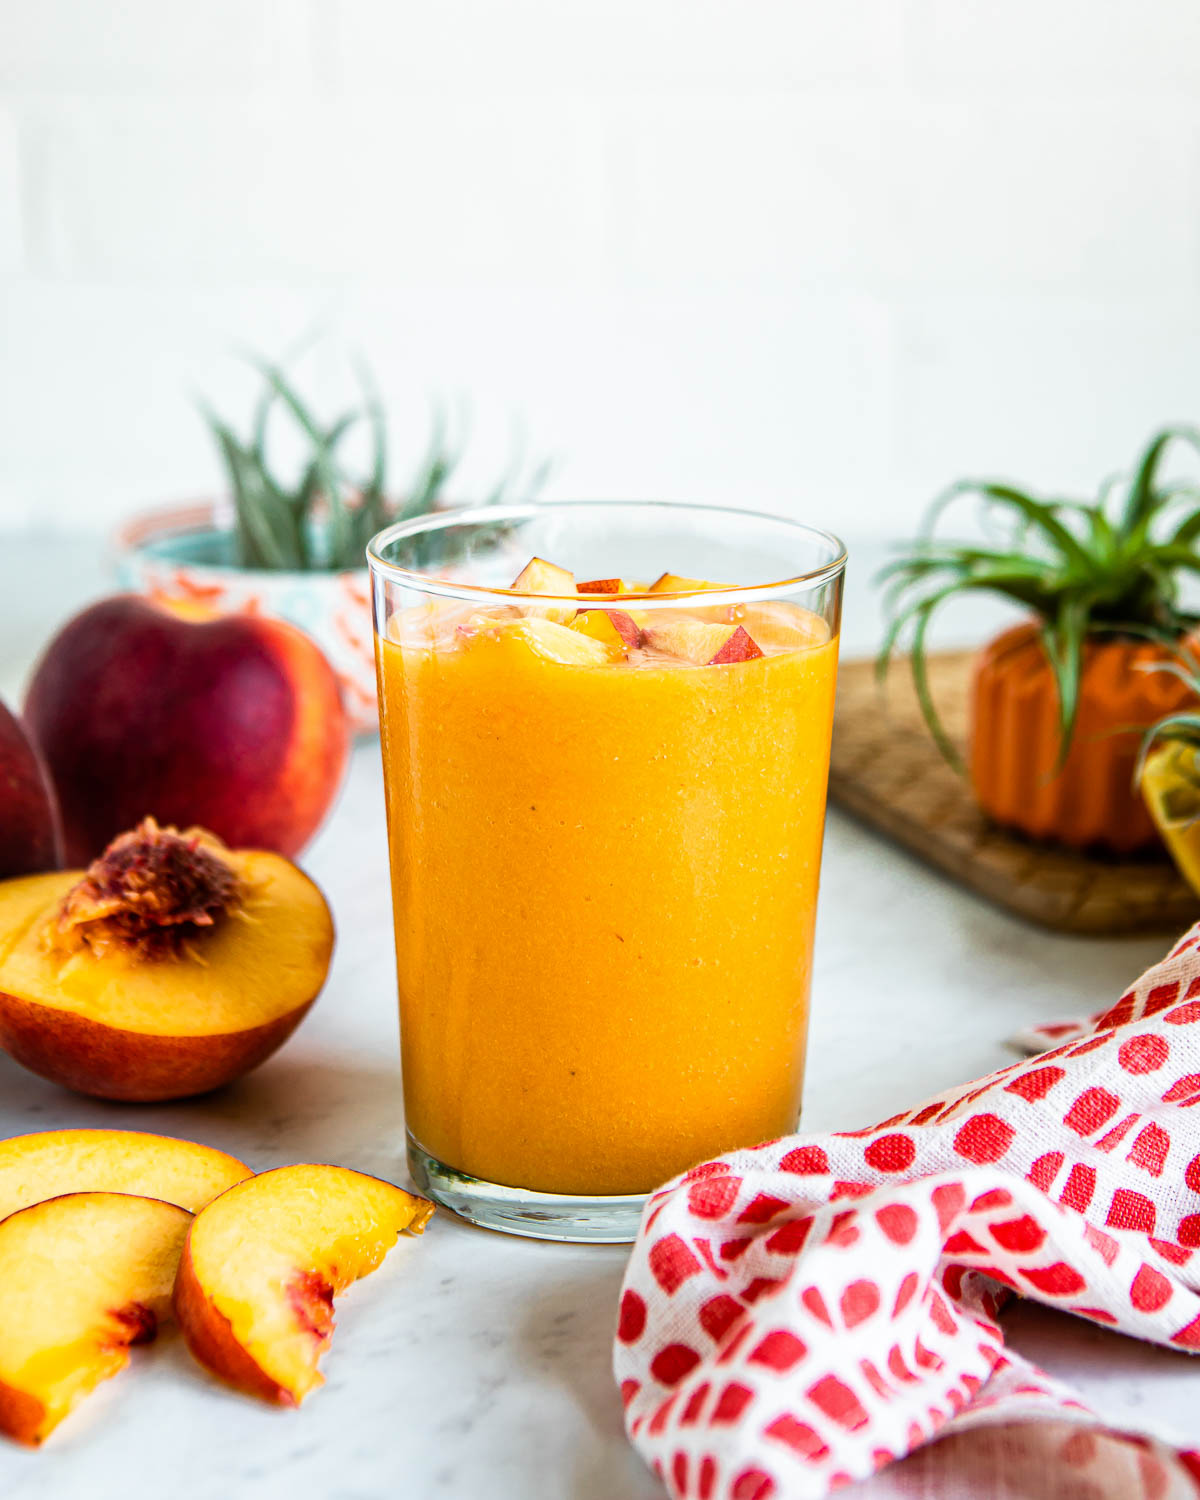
x=294 y=547
x=1059 y=701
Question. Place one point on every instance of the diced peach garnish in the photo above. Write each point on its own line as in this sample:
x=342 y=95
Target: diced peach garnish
x=541 y=577
x=436 y=622
x=613 y=629
x=700 y=643
x=785 y=626
x=740 y=646
x=675 y=583
x=606 y=586
x=544 y=638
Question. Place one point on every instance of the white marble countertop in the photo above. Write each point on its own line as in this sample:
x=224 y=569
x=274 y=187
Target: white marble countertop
x=475 y=1365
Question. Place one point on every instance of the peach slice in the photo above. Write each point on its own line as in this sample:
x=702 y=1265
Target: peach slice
x=613 y=628
x=263 y=1262
x=126 y=989
x=542 y=638
x=50 y=1163
x=701 y=644
x=81 y=1278
x=541 y=577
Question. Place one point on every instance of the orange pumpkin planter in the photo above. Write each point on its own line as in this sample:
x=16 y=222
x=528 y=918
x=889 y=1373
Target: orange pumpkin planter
x=1061 y=704
x=1090 y=801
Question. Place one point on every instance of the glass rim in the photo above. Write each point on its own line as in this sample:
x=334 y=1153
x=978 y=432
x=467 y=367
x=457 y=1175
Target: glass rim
x=440 y=520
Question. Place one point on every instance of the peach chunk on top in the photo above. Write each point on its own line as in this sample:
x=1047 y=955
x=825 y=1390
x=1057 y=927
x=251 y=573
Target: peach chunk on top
x=539 y=637
x=613 y=628
x=263 y=1262
x=704 y=645
x=607 y=586
x=541 y=577
x=81 y=1278
x=675 y=583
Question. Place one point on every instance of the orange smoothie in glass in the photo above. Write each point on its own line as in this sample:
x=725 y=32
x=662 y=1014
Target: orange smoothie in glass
x=605 y=823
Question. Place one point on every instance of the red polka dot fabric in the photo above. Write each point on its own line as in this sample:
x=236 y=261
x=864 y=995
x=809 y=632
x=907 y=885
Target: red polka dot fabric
x=797 y=1315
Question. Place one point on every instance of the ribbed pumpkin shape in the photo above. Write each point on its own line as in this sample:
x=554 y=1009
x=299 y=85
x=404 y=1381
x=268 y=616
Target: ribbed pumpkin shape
x=1091 y=802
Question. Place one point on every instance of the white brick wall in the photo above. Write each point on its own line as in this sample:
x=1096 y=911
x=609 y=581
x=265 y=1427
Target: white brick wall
x=814 y=256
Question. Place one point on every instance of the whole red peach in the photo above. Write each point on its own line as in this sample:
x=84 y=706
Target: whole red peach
x=234 y=724
x=29 y=839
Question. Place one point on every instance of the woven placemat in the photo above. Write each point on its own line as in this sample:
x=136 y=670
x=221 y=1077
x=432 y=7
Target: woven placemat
x=887 y=771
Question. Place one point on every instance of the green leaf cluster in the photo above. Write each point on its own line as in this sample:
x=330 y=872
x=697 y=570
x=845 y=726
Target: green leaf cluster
x=324 y=519
x=1084 y=568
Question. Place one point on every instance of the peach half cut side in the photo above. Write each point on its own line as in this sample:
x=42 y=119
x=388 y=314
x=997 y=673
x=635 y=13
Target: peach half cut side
x=51 y=1163
x=263 y=1263
x=130 y=1026
x=82 y=1277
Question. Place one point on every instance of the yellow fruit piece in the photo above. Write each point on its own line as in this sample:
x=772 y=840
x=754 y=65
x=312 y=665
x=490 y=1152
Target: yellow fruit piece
x=53 y=1162
x=81 y=1278
x=544 y=638
x=598 y=625
x=541 y=577
x=264 y=1261
x=675 y=583
x=1170 y=785
x=783 y=626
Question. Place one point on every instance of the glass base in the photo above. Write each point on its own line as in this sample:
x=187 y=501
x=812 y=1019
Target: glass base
x=538 y=1216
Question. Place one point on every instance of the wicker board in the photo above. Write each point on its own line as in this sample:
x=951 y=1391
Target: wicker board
x=887 y=771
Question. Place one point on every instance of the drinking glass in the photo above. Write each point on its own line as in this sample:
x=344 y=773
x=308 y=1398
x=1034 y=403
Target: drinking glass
x=605 y=814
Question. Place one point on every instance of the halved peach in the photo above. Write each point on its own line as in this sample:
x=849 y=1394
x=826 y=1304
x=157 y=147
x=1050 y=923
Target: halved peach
x=702 y=644
x=542 y=638
x=50 y=1163
x=81 y=1278
x=541 y=577
x=263 y=1263
x=614 y=629
x=124 y=989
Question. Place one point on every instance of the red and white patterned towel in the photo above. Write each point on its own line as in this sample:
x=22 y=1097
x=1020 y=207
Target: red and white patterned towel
x=798 y=1315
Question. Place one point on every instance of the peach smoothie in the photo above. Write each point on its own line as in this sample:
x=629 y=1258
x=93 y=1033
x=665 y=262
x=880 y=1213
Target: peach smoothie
x=605 y=828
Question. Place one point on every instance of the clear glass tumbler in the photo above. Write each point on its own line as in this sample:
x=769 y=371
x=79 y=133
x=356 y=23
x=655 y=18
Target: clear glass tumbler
x=605 y=802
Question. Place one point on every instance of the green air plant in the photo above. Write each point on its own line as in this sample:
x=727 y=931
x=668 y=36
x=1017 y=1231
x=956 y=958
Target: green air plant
x=1109 y=567
x=324 y=519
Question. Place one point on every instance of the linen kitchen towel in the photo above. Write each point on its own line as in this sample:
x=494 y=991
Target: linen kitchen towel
x=798 y=1315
